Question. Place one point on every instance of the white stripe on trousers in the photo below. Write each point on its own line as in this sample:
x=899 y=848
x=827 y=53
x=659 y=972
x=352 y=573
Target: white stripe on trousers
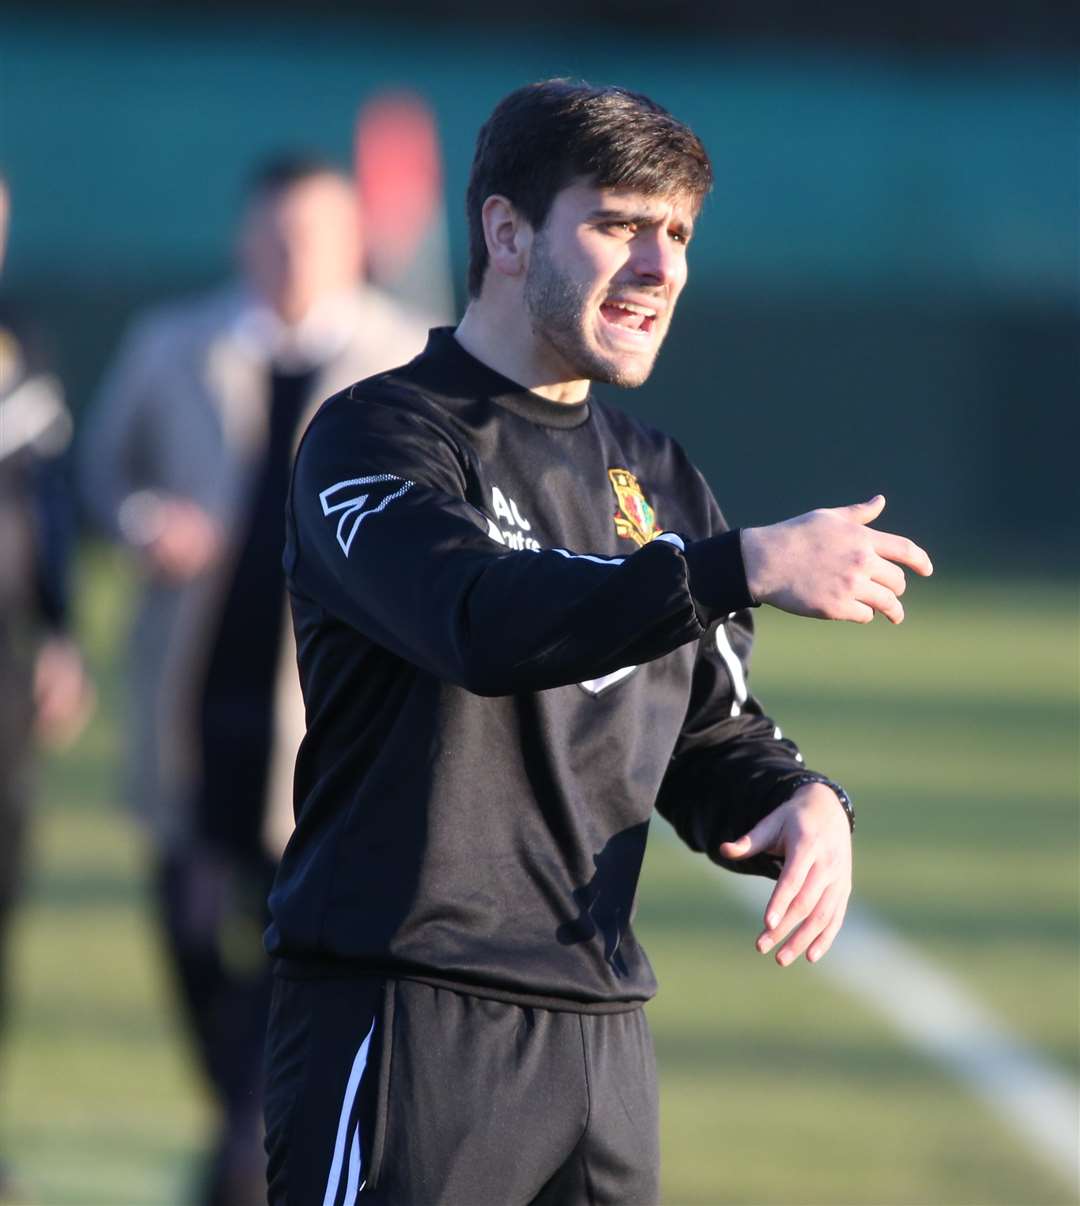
x=352 y=1189
x=334 y=1179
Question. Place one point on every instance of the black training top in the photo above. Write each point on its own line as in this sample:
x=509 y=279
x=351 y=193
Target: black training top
x=520 y=625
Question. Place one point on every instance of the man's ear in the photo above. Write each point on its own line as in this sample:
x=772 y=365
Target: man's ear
x=507 y=234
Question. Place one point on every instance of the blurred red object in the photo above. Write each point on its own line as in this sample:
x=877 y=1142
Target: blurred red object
x=399 y=179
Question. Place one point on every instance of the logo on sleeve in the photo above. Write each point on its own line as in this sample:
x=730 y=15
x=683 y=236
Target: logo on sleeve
x=634 y=519
x=357 y=498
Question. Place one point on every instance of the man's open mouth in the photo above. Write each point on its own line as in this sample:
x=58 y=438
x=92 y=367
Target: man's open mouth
x=628 y=316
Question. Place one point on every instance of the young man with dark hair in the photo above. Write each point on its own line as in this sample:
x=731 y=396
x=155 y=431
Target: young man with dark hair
x=522 y=624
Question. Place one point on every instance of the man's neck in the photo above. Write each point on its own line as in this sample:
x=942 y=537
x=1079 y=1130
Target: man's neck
x=505 y=344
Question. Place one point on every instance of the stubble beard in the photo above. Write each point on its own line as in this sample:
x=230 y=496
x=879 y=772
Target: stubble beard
x=560 y=308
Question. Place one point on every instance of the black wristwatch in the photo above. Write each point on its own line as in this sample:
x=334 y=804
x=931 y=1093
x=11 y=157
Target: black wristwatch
x=841 y=795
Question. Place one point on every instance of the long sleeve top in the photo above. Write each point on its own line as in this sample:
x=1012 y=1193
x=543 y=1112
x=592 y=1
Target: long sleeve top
x=521 y=627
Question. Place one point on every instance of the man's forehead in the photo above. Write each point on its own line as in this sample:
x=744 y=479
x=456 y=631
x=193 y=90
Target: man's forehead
x=646 y=205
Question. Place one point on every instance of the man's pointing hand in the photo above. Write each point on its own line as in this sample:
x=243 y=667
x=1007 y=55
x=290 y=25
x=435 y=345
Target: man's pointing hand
x=830 y=565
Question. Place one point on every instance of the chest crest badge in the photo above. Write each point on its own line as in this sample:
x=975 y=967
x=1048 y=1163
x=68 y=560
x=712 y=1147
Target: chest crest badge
x=634 y=519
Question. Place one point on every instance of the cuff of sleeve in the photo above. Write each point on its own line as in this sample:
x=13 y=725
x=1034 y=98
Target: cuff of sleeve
x=718 y=576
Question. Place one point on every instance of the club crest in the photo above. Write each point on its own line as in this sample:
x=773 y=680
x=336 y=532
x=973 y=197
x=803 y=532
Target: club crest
x=634 y=519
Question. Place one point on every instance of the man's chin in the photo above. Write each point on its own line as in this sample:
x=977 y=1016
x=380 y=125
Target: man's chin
x=624 y=366
x=627 y=372
x=589 y=360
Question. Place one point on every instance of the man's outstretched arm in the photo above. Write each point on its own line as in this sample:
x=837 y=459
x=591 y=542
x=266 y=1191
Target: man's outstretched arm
x=382 y=537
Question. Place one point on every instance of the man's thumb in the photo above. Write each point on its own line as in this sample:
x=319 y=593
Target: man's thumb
x=761 y=837
x=867 y=512
x=739 y=848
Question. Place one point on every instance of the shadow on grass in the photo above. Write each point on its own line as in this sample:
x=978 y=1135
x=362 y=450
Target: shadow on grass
x=937 y=709
x=131 y=1025
x=82 y=888
x=106 y=1164
x=725 y=1054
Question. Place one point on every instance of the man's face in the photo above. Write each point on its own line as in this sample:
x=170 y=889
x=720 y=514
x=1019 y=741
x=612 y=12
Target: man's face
x=604 y=273
x=303 y=244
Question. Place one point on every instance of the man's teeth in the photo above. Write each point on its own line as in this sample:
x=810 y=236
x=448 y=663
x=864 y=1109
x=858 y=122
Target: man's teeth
x=632 y=308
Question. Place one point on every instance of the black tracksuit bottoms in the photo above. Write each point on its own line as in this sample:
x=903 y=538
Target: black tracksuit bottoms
x=404 y=1093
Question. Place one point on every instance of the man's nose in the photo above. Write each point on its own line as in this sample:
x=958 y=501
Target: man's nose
x=655 y=259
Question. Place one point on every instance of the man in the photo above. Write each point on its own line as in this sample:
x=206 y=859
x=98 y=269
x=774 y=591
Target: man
x=186 y=463
x=44 y=691
x=522 y=623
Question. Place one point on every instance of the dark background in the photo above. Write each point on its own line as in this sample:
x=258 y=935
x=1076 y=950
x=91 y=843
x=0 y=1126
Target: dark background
x=883 y=292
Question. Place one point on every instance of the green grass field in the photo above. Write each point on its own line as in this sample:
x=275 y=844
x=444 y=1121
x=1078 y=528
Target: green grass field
x=957 y=734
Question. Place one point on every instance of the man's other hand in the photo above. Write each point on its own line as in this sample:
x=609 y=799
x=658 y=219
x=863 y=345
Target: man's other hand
x=830 y=565
x=186 y=541
x=810 y=832
x=64 y=696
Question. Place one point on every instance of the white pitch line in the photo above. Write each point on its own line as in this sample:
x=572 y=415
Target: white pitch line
x=940 y=1017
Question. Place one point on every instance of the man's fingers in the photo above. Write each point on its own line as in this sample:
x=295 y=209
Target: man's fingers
x=821 y=944
x=879 y=593
x=888 y=575
x=781 y=918
x=855 y=612
x=815 y=924
x=904 y=551
x=883 y=601
x=798 y=876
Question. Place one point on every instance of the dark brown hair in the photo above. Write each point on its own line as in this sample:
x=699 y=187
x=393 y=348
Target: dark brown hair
x=543 y=136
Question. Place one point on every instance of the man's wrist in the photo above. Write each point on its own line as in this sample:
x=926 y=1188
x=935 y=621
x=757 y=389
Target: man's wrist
x=717 y=576
x=793 y=785
x=749 y=547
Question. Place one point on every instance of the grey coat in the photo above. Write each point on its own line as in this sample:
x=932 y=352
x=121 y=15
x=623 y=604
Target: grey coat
x=183 y=411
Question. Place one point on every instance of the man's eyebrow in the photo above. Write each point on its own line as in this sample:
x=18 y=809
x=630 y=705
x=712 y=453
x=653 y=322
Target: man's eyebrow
x=639 y=218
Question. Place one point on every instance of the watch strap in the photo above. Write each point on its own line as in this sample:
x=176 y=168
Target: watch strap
x=838 y=791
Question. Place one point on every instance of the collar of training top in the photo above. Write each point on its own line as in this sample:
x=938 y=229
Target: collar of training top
x=444 y=359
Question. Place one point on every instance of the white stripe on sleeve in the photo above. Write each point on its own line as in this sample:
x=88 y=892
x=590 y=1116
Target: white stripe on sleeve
x=734 y=668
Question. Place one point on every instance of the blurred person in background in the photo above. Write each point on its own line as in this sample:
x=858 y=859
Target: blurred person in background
x=44 y=690
x=185 y=462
